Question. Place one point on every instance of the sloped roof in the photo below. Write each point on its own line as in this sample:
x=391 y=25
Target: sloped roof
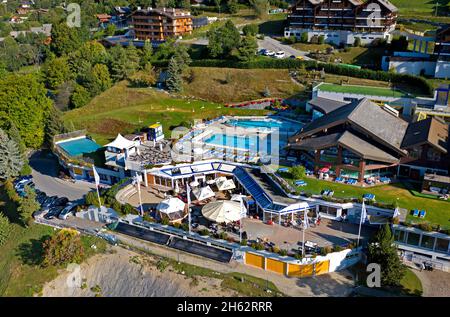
x=431 y=131
x=326 y=105
x=121 y=143
x=364 y=116
x=388 y=5
x=349 y=141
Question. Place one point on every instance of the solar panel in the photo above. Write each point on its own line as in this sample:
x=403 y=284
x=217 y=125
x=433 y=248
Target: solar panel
x=201 y=249
x=142 y=233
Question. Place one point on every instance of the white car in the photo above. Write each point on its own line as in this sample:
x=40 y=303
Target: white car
x=280 y=54
x=269 y=53
x=67 y=211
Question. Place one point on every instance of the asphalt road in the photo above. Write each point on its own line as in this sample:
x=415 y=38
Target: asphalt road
x=268 y=43
x=45 y=168
x=271 y=44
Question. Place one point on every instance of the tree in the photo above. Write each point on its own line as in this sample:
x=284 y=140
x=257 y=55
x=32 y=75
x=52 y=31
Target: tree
x=123 y=62
x=110 y=29
x=223 y=39
x=11 y=160
x=5 y=228
x=304 y=37
x=53 y=126
x=182 y=57
x=297 y=171
x=56 y=71
x=232 y=6
x=65 y=39
x=62 y=248
x=261 y=8
x=91 y=198
x=383 y=252
x=250 y=29
x=174 y=80
x=147 y=54
x=24 y=102
x=144 y=78
x=97 y=80
x=89 y=54
x=247 y=49
x=80 y=97
x=321 y=39
x=27 y=206
x=357 y=42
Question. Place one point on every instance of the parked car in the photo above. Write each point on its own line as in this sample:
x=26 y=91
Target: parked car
x=61 y=201
x=49 y=201
x=22 y=179
x=21 y=185
x=269 y=53
x=280 y=54
x=262 y=51
x=67 y=211
x=53 y=212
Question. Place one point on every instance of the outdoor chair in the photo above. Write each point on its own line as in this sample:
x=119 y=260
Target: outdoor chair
x=422 y=214
x=415 y=213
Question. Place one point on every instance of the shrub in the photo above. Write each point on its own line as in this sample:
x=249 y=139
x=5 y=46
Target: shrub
x=357 y=42
x=337 y=248
x=184 y=226
x=129 y=209
x=304 y=37
x=425 y=226
x=250 y=29
x=148 y=218
x=91 y=198
x=222 y=235
x=321 y=39
x=244 y=242
x=325 y=250
x=257 y=246
x=162 y=265
x=204 y=232
x=283 y=252
x=297 y=171
x=63 y=247
x=165 y=221
x=275 y=249
x=11 y=192
x=298 y=256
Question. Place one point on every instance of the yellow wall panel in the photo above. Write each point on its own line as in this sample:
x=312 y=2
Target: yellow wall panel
x=78 y=171
x=276 y=266
x=322 y=267
x=254 y=260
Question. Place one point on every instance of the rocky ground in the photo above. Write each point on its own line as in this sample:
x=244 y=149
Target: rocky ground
x=125 y=273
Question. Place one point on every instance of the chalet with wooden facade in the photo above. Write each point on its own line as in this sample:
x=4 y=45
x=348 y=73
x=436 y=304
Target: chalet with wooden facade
x=158 y=24
x=342 y=21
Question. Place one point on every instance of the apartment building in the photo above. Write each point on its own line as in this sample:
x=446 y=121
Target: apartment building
x=158 y=24
x=341 y=21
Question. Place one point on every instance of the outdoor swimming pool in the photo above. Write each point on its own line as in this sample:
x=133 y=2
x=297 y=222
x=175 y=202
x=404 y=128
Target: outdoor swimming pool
x=79 y=146
x=284 y=126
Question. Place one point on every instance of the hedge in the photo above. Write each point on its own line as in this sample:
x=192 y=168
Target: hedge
x=422 y=85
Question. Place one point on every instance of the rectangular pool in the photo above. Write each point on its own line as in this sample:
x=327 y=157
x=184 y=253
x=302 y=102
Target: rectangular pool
x=79 y=146
x=251 y=143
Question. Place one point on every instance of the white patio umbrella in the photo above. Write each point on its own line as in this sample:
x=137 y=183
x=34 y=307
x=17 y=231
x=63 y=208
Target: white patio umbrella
x=171 y=205
x=225 y=184
x=194 y=183
x=203 y=193
x=177 y=187
x=222 y=211
x=211 y=181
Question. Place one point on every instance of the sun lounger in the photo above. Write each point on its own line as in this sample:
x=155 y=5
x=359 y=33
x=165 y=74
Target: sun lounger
x=422 y=214
x=369 y=196
x=339 y=179
x=300 y=183
x=283 y=170
x=415 y=213
x=351 y=181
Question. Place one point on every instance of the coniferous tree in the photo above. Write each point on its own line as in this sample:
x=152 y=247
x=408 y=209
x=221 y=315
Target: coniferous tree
x=27 y=206
x=383 y=252
x=5 y=228
x=174 y=80
x=11 y=160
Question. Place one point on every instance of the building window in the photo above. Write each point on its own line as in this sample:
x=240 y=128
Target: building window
x=399 y=236
x=413 y=238
x=442 y=245
x=427 y=242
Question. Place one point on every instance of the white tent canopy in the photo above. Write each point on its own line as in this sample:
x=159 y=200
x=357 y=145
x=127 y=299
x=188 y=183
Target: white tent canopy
x=203 y=193
x=194 y=183
x=222 y=211
x=224 y=183
x=171 y=205
x=121 y=143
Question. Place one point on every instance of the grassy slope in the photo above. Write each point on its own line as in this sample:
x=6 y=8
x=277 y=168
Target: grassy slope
x=20 y=270
x=421 y=9
x=362 y=90
x=438 y=211
x=411 y=283
x=244 y=84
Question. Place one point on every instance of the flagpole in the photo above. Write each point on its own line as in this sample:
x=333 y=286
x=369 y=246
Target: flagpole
x=97 y=182
x=363 y=207
x=138 y=183
x=305 y=219
x=188 y=194
x=240 y=222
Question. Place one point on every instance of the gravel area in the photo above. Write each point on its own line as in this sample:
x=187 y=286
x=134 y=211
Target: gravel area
x=125 y=273
x=435 y=283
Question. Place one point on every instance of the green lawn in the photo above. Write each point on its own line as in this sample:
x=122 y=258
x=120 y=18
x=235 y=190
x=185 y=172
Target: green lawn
x=411 y=283
x=365 y=90
x=423 y=9
x=438 y=211
x=124 y=110
x=20 y=271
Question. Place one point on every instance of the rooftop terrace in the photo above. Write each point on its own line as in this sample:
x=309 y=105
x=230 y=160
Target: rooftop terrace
x=363 y=90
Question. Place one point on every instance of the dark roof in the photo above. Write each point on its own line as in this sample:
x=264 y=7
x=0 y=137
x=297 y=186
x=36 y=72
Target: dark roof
x=325 y=105
x=430 y=131
x=364 y=116
x=388 y=5
x=168 y=12
x=347 y=140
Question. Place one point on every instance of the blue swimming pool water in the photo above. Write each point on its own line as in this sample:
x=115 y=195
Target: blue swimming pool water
x=284 y=126
x=250 y=142
x=79 y=146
